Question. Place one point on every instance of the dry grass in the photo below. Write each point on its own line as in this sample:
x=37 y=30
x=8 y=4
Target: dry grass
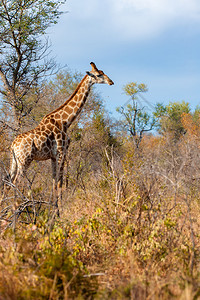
x=124 y=233
x=108 y=250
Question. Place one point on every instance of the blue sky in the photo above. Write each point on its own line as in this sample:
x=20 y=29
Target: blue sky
x=156 y=42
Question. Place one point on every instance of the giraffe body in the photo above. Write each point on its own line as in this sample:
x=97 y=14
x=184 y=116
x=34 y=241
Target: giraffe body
x=49 y=139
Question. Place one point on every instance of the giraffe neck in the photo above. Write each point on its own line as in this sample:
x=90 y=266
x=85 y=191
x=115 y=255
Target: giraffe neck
x=67 y=112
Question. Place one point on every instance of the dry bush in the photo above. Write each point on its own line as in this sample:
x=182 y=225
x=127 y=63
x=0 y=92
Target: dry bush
x=129 y=225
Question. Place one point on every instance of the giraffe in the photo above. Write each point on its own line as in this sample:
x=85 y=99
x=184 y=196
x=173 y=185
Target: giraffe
x=49 y=139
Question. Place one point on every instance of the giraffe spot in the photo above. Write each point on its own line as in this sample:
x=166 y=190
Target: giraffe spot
x=37 y=131
x=46 y=120
x=57 y=116
x=65 y=115
x=49 y=127
x=48 y=131
x=51 y=136
x=59 y=136
x=52 y=121
x=43 y=138
x=69 y=110
x=26 y=152
x=56 y=130
x=29 y=140
x=58 y=124
x=73 y=102
x=42 y=128
x=46 y=149
x=43 y=133
x=80 y=97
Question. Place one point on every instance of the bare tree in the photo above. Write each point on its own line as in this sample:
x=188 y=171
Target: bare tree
x=24 y=51
x=136 y=121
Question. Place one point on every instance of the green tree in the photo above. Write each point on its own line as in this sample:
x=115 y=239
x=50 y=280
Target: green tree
x=24 y=51
x=196 y=113
x=169 y=118
x=136 y=120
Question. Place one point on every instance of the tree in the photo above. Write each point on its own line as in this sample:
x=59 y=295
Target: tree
x=136 y=120
x=169 y=118
x=24 y=51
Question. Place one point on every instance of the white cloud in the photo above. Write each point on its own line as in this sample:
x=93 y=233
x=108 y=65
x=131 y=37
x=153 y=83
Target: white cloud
x=110 y=28
x=133 y=19
x=140 y=18
x=107 y=31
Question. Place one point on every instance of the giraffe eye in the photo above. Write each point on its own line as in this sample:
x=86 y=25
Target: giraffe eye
x=100 y=75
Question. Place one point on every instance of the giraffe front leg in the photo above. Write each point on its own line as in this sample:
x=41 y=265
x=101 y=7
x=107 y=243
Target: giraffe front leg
x=62 y=146
x=60 y=172
x=55 y=183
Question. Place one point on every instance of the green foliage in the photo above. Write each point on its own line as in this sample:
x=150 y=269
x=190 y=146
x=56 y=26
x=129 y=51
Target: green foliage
x=30 y=18
x=132 y=88
x=196 y=114
x=52 y=265
x=169 y=117
x=64 y=83
x=136 y=120
x=160 y=110
x=23 y=50
x=102 y=126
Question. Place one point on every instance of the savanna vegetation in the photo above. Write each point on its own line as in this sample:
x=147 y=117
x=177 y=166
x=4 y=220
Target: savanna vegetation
x=129 y=219
x=129 y=223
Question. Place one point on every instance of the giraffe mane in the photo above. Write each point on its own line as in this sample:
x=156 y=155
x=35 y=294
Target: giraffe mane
x=70 y=97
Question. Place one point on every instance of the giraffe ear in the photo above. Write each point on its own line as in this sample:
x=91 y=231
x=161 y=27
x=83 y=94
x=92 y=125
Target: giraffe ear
x=90 y=74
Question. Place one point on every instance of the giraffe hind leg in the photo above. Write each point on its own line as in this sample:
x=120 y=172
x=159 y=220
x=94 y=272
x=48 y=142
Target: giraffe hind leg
x=55 y=185
x=10 y=177
x=13 y=167
x=61 y=162
x=16 y=170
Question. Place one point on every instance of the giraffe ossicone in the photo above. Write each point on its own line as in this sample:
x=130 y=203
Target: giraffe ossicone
x=49 y=139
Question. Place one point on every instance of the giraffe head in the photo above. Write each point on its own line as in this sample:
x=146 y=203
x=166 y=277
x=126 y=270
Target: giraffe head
x=98 y=76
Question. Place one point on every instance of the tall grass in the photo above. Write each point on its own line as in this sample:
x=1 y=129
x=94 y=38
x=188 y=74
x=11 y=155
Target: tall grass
x=128 y=231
